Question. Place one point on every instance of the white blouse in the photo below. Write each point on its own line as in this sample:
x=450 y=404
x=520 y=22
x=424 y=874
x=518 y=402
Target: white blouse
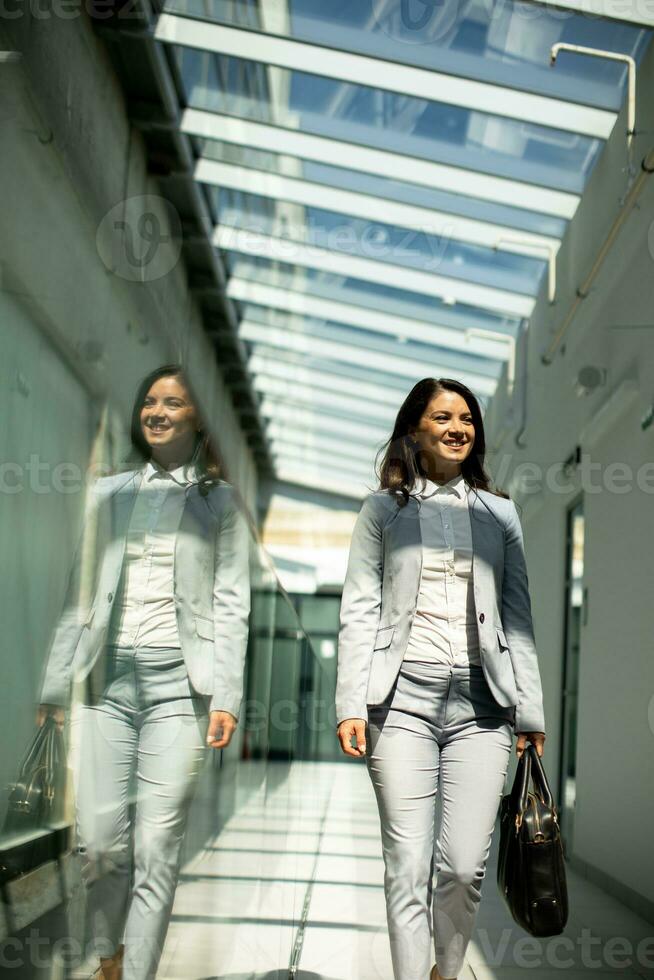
x=444 y=628
x=144 y=608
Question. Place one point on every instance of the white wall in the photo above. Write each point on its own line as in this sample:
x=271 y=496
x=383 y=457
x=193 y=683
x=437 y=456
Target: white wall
x=615 y=744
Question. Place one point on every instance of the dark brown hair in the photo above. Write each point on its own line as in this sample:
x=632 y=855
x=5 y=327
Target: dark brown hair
x=402 y=463
x=204 y=455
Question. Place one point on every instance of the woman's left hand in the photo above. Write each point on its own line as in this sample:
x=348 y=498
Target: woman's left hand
x=536 y=738
x=222 y=726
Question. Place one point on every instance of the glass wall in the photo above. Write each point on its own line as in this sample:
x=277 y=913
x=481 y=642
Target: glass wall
x=138 y=607
x=245 y=799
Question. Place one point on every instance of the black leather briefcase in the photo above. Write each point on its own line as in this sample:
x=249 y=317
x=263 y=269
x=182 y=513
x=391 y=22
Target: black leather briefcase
x=531 y=868
x=35 y=798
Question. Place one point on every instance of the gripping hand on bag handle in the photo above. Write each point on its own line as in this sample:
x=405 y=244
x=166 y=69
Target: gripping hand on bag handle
x=536 y=738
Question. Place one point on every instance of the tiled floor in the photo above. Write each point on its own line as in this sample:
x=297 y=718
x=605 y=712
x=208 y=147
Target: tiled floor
x=302 y=867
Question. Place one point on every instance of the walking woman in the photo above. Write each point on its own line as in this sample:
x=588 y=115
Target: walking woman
x=155 y=644
x=436 y=657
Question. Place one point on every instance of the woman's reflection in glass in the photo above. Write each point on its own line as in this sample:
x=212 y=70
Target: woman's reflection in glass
x=158 y=651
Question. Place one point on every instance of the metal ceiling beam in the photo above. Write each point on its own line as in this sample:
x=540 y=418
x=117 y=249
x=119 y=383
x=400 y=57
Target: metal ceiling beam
x=323 y=400
x=439 y=224
x=306 y=441
x=325 y=479
x=305 y=304
x=267 y=362
x=303 y=438
x=405 y=367
x=364 y=341
x=285 y=456
x=381 y=163
x=275 y=249
x=390 y=76
x=360 y=295
x=311 y=409
x=312 y=421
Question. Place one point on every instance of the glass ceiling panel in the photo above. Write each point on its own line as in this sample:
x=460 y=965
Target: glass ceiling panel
x=368 y=383
x=301 y=421
x=254 y=158
x=341 y=207
x=331 y=480
x=371 y=341
x=404 y=248
x=447 y=289
x=397 y=364
x=398 y=326
x=356 y=450
x=397 y=166
x=284 y=192
x=506 y=44
x=290 y=454
x=334 y=403
x=422 y=128
x=376 y=296
x=371 y=385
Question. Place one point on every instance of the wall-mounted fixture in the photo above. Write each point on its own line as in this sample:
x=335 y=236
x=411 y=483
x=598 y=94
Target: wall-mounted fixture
x=647 y=418
x=21 y=384
x=547 y=249
x=471 y=332
x=612 y=56
x=588 y=379
x=570 y=464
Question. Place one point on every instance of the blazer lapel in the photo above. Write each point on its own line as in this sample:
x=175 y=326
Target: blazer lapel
x=121 y=502
x=403 y=539
x=486 y=538
x=195 y=540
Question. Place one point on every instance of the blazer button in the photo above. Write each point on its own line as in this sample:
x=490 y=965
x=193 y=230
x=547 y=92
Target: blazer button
x=110 y=597
x=481 y=617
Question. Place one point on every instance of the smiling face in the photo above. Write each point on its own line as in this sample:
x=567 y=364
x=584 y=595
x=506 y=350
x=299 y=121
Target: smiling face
x=169 y=422
x=446 y=435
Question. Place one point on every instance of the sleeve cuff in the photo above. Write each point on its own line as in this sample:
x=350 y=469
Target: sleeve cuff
x=529 y=721
x=219 y=703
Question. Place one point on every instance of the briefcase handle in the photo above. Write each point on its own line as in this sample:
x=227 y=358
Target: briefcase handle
x=530 y=768
x=541 y=785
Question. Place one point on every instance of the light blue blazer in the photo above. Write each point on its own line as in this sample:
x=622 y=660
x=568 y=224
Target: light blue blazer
x=380 y=595
x=211 y=587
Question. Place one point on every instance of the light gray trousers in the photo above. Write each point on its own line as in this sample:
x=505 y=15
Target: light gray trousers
x=439 y=731
x=138 y=748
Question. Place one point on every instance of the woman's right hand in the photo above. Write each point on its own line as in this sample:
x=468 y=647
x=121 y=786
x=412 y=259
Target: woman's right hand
x=349 y=728
x=44 y=711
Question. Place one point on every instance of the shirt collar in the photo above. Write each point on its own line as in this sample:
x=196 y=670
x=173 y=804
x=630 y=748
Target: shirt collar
x=456 y=485
x=185 y=474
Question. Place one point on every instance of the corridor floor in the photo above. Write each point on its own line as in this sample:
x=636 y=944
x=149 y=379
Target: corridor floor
x=293 y=887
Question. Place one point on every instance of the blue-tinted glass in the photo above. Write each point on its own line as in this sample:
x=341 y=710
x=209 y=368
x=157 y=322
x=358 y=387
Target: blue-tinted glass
x=389 y=298
x=415 y=127
x=439 y=254
x=430 y=198
x=381 y=343
x=505 y=43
